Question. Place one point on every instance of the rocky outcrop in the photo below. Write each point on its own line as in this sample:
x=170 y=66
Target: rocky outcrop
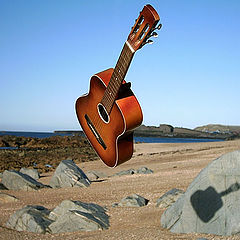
x=14 y=180
x=211 y=203
x=165 y=130
x=39 y=153
x=68 y=174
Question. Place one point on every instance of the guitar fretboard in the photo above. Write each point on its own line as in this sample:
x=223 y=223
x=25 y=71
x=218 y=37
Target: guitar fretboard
x=117 y=77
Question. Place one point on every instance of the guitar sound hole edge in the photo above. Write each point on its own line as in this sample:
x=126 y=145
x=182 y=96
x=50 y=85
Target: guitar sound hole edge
x=103 y=113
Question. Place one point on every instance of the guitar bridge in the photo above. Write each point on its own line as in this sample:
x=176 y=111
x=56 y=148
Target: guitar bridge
x=95 y=132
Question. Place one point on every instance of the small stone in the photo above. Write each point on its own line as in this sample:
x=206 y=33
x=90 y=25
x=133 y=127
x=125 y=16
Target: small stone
x=144 y=170
x=133 y=200
x=125 y=172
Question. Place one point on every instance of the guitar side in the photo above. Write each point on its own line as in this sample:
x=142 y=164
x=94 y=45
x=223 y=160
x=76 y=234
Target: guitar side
x=112 y=140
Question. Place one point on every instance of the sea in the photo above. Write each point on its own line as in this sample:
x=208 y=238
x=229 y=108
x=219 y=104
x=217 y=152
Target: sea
x=136 y=139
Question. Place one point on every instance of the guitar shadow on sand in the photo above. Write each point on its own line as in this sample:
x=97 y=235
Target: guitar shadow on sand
x=206 y=203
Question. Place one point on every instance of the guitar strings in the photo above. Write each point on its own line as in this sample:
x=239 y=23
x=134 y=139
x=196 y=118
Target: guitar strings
x=124 y=62
x=115 y=82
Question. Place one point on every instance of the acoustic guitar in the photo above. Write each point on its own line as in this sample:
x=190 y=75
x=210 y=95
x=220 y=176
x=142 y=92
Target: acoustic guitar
x=110 y=112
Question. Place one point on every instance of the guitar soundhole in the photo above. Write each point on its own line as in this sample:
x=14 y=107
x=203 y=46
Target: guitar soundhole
x=103 y=113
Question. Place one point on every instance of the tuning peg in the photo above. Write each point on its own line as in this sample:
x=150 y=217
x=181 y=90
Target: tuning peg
x=158 y=27
x=149 y=42
x=146 y=42
x=154 y=34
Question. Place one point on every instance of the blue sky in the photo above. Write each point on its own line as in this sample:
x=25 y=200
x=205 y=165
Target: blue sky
x=50 y=49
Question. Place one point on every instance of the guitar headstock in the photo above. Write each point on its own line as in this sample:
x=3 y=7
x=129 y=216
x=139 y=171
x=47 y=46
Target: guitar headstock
x=144 y=28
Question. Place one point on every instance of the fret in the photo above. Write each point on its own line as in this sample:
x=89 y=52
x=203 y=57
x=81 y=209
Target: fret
x=117 y=77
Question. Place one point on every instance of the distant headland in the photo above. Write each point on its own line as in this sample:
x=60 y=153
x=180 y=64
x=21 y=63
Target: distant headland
x=212 y=131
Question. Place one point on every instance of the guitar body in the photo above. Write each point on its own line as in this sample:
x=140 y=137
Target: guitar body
x=111 y=137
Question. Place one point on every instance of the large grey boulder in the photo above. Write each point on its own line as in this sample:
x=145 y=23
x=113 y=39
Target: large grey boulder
x=14 y=180
x=31 y=172
x=30 y=218
x=211 y=203
x=68 y=174
x=71 y=216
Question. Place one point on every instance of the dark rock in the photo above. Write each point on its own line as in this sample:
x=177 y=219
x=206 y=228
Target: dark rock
x=68 y=174
x=31 y=172
x=30 y=218
x=2 y=187
x=170 y=197
x=14 y=180
x=133 y=201
x=211 y=203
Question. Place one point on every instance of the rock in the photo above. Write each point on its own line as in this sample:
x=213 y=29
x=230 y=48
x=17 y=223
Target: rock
x=132 y=201
x=31 y=172
x=68 y=174
x=71 y=216
x=125 y=172
x=95 y=175
x=14 y=180
x=144 y=170
x=169 y=198
x=30 y=218
x=1 y=175
x=211 y=203
x=74 y=220
x=92 y=176
x=6 y=198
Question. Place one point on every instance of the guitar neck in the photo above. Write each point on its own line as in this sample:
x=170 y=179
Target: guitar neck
x=117 y=77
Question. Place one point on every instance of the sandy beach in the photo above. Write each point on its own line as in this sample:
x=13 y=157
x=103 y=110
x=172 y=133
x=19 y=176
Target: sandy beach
x=174 y=165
